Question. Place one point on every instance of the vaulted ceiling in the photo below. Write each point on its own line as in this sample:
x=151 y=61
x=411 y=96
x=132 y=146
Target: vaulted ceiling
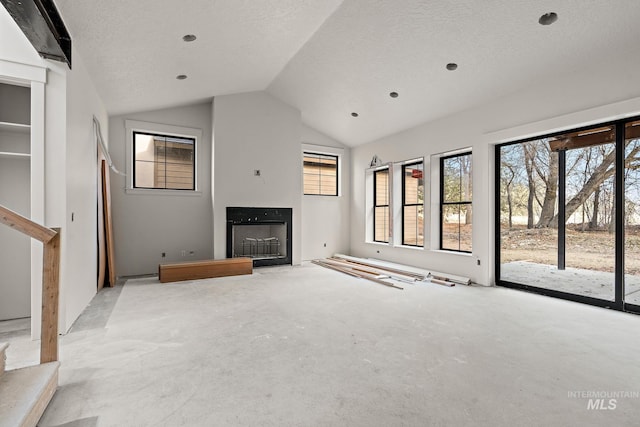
x=331 y=58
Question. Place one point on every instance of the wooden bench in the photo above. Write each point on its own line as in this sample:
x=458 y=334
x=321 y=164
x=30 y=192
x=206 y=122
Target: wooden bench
x=204 y=269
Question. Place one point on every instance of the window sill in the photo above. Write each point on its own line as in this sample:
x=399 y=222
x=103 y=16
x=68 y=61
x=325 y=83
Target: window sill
x=440 y=251
x=378 y=243
x=413 y=248
x=155 y=192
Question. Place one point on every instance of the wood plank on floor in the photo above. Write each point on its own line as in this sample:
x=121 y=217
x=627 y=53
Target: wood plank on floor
x=204 y=269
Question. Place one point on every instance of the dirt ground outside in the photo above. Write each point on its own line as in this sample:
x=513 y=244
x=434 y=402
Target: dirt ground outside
x=589 y=250
x=457 y=236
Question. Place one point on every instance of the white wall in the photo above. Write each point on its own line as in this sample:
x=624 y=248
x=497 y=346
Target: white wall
x=15 y=46
x=80 y=221
x=63 y=171
x=145 y=225
x=20 y=63
x=325 y=219
x=256 y=131
x=55 y=170
x=71 y=181
x=602 y=93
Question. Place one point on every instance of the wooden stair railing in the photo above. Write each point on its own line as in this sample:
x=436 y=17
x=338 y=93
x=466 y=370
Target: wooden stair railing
x=50 y=278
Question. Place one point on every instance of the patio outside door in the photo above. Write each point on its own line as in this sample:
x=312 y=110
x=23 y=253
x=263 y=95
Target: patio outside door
x=568 y=211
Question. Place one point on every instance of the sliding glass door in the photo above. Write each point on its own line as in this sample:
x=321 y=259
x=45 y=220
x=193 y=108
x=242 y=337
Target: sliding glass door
x=561 y=204
x=528 y=204
x=632 y=215
x=589 y=214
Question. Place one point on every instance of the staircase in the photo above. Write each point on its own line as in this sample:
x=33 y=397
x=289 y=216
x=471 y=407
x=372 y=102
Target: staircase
x=26 y=392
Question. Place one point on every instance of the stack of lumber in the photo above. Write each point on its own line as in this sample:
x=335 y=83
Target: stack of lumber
x=363 y=271
x=450 y=278
x=419 y=273
x=386 y=273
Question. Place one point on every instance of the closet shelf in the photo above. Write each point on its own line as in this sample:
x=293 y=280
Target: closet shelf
x=8 y=155
x=14 y=127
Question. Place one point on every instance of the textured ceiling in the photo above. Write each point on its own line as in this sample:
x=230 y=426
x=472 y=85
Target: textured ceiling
x=134 y=49
x=329 y=58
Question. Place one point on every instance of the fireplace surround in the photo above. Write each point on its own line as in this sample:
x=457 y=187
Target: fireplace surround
x=263 y=234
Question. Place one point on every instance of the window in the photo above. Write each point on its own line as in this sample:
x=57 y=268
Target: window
x=381 y=205
x=320 y=172
x=456 y=202
x=413 y=204
x=163 y=161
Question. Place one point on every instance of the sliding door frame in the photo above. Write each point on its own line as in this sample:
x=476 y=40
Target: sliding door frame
x=619 y=185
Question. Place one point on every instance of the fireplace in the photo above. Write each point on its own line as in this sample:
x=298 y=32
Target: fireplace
x=263 y=234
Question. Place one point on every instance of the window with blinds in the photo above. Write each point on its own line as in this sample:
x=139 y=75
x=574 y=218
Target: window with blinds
x=163 y=161
x=413 y=204
x=381 y=206
x=320 y=174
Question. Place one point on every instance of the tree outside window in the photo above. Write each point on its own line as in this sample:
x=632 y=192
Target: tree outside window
x=456 y=219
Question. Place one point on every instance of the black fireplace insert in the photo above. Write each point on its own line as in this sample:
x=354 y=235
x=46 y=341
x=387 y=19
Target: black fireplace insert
x=263 y=234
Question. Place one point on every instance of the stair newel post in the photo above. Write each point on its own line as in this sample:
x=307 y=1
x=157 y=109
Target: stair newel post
x=50 y=298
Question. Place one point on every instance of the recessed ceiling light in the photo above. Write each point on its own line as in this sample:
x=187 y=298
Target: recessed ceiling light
x=181 y=76
x=451 y=66
x=393 y=94
x=189 y=37
x=354 y=114
x=548 y=18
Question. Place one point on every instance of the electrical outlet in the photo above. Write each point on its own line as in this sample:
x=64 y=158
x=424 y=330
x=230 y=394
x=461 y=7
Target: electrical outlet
x=183 y=253
x=478 y=261
x=192 y=253
x=325 y=245
x=164 y=254
x=256 y=172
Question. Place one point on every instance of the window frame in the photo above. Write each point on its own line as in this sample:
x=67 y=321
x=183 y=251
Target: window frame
x=375 y=203
x=619 y=124
x=316 y=153
x=156 y=134
x=132 y=126
x=404 y=203
x=458 y=203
